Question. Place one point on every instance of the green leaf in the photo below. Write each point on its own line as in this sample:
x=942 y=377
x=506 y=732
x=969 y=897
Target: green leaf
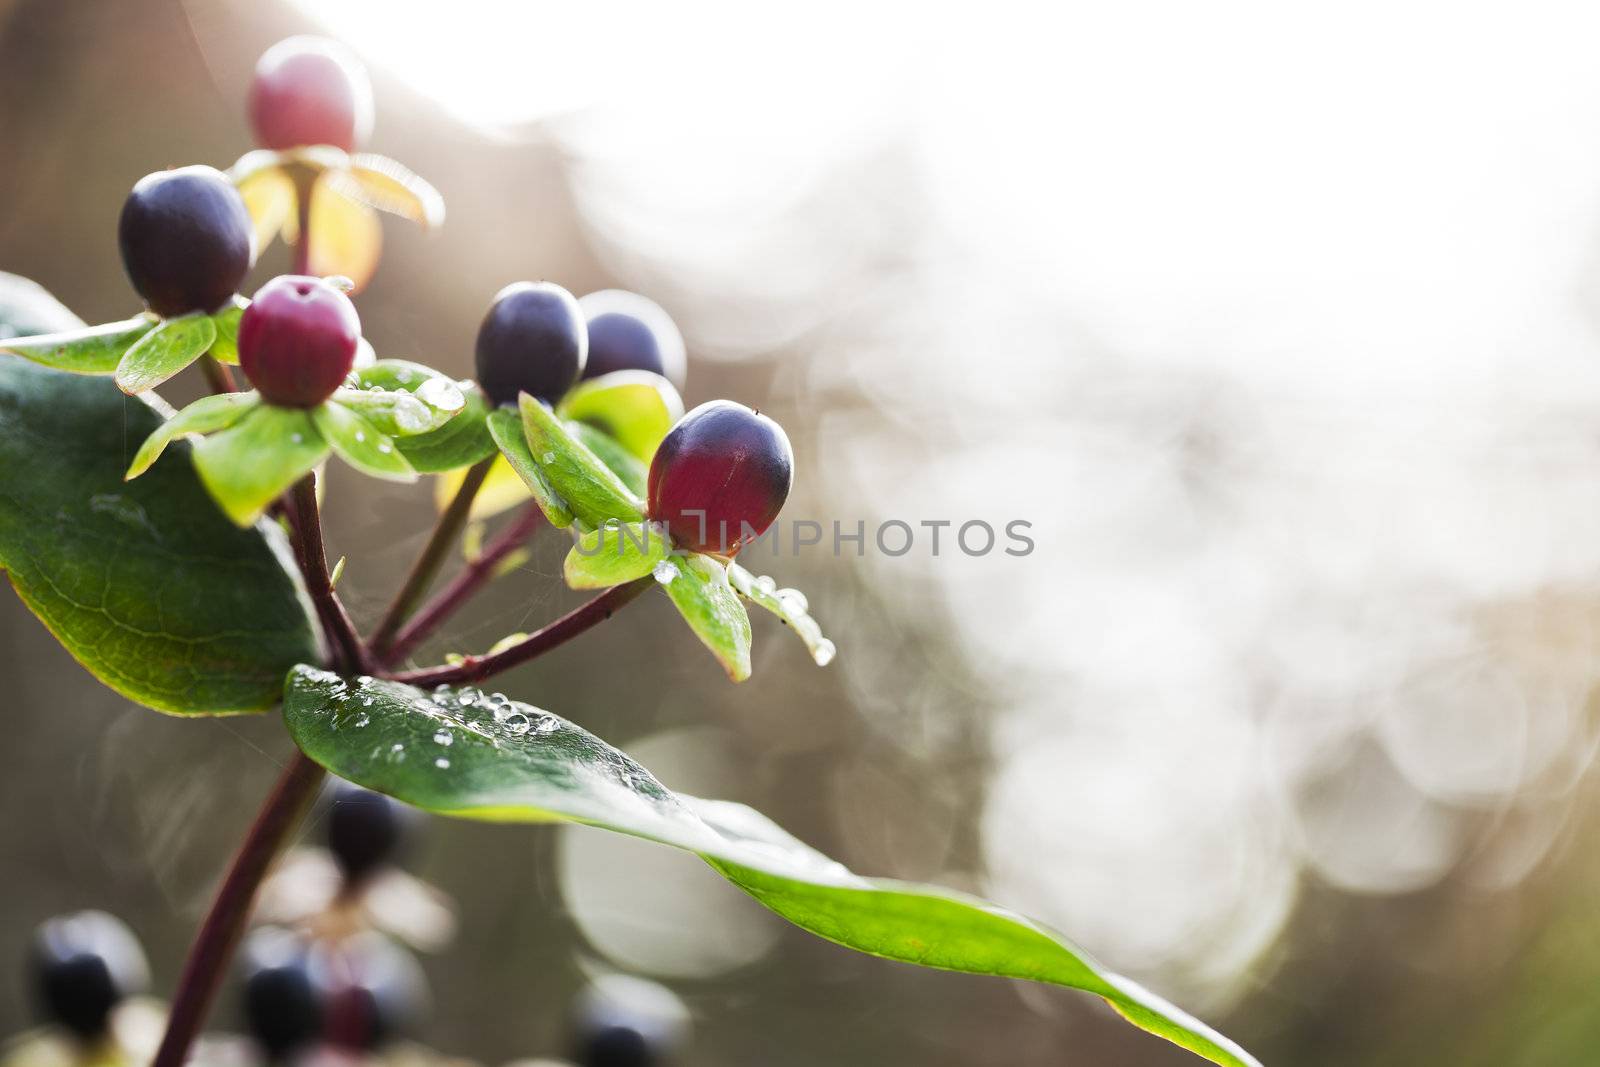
x=454 y=434
x=360 y=444
x=225 y=349
x=624 y=464
x=205 y=415
x=144 y=583
x=787 y=604
x=505 y=426
x=589 y=487
x=251 y=463
x=165 y=351
x=634 y=406
x=704 y=597
x=495 y=760
x=87 y=350
x=614 y=554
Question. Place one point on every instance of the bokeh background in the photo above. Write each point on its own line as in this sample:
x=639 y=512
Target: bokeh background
x=1277 y=323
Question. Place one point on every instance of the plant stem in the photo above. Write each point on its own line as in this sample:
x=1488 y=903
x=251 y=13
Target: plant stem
x=428 y=563
x=350 y=655
x=305 y=182
x=564 y=629
x=218 y=376
x=224 y=925
x=461 y=588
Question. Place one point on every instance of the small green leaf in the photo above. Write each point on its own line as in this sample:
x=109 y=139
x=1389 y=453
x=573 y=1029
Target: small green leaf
x=91 y=350
x=337 y=573
x=165 y=351
x=360 y=444
x=468 y=755
x=205 y=415
x=505 y=426
x=614 y=554
x=787 y=604
x=225 y=349
x=589 y=487
x=454 y=436
x=624 y=464
x=251 y=463
x=144 y=582
x=634 y=406
x=704 y=597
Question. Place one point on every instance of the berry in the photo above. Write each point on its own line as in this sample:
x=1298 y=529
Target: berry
x=366 y=830
x=380 y=993
x=532 y=340
x=297 y=340
x=631 y=332
x=186 y=240
x=286 y=990
x=720 y=477
x=309 y=90
x=627 y=1022
x=82 y=966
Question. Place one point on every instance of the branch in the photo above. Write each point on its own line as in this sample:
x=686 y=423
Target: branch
x=350 y=655
x=564 y=629
x=218 y=376
x=224 y=925
x=461 y=588
x=428 y=563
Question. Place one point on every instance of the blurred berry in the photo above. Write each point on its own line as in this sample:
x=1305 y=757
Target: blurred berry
x=619 y=1021
x=533 y=340
x=186 y=240
x=631 y=332
x=380 y=993
x=720 y=477
x=308 y=91
x=82 y=966
x=285 y=990
x=366 y=830
x=297 y=340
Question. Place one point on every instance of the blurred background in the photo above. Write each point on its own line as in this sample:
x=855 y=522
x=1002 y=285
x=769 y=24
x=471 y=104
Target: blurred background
x=1277 y=323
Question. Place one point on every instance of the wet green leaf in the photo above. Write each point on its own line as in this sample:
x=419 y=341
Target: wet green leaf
x=790 y=605
x=589 y=487
x=624 y=464
x=251 y=463
x=360 y=444
x=225 y=349
x=145 y=583
x=505 y=426
x=634 y=406
x=496 y=760
x=165 y=351
x=708 y=603
x=614 y=554
x=205 y=415
x=453 y=434
x=83 y=350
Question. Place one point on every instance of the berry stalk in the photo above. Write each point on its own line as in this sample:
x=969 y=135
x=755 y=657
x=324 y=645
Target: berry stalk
x=350 y=654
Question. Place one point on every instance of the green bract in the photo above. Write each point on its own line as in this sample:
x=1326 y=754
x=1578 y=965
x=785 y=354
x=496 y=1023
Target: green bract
x=142 y=352
x=467 y=754
x=253 y=452
x=398 y=397
x=635 y=407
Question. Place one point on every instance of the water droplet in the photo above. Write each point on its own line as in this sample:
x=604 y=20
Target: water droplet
x=397 y=747
x=549 y=457
x=548 y=724
x=664 y=571
x=443 y=737
x=441 y=393
x=441 y=693
x=363 y=719
x=767 y=584
x=517 y=723
x=824 y=652
x=386 y=448
x=297 y=438
x=468 y=698
x=367 y=700
x=361 y=436
x=793 y=601
x=441 y=763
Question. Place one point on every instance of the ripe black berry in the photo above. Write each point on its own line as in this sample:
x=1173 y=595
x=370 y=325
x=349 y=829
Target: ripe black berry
x=366 y=830
x=627 y=1022
x=186 y=240
x=82 y=966
x=297 y=340
x=631 y=332
x=286 y=990
x=533 y=340
x=720 y=477
x=309 y=90
x=379 y=995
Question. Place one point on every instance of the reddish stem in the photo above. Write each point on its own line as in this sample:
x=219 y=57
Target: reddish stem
x=350 y=655
x=564 y=629
x=471 y=578
x=218 y=376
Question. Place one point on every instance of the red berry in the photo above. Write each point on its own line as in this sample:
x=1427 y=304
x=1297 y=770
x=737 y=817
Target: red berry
x=310 y=90
x=297 y=340
x=631 y=332
x=532 y=341
x=720 y=477
x=186 y=240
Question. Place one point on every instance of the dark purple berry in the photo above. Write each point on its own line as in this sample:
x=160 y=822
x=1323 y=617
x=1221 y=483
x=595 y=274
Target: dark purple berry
x=297 y=340
x=631 y=332
x=310 y=90
x=380 y=995
x=186 y=240
x=627 y=1022
x=286 y=991
x=366 y=831
x=82 y=966
x=532 y=340
x=720 y=477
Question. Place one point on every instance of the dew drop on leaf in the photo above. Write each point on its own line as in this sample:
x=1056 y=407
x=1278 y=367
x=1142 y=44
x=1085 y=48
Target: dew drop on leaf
x=441 y=763
x=664 y=572
x=517 y=723
x=824 y=652
x=443 y=737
